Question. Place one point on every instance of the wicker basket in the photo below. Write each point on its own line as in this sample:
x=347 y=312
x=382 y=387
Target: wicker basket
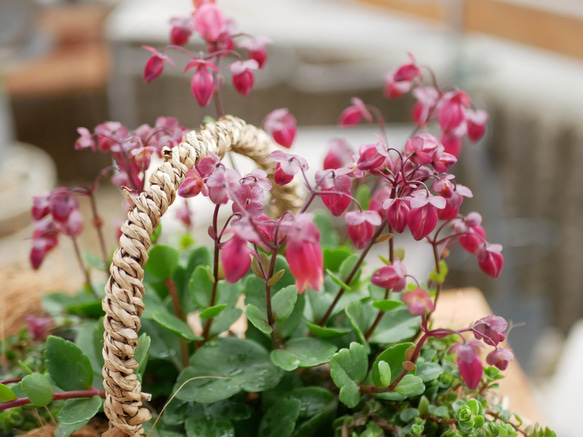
x=123 y=301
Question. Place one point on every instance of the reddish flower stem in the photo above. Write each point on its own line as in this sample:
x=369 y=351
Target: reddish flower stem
x=83 y=267
x=74 y=394
x=209 y=321
x=377 y=234
x=270 y=319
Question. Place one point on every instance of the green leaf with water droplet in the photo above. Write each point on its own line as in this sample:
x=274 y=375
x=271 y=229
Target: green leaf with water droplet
x=280 y=419
x=303 y=352
x=209 y=426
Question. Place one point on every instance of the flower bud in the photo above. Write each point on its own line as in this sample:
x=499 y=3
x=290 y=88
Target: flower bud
x=235 y=258
x=391 y=277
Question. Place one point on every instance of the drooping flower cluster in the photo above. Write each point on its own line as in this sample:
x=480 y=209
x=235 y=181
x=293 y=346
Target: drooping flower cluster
x=54 y=213
x=131 y=151
x=221 y=38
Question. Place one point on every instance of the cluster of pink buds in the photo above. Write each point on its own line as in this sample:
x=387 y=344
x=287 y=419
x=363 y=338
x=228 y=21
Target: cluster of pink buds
x=131 y=151
x=492 y=331
x=54 y=213
x=221 y=38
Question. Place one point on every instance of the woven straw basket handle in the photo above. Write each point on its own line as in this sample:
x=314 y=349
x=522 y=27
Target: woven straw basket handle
x=123 y=303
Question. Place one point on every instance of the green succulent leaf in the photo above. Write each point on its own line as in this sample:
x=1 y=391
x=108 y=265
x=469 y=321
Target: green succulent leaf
x=347 y=266
x=303 y=352
x=201 y=287
x=321 y=332
x=283 y=302
x=393 y=357
x=280 y=419
x=209 y=426
x=6 y=394
x=348 y=367
x=79 y=410
x=174 y=324
x=162 y=262
x=222 y=368
x=258 y=318
x=68 y=366
x=410 y=386
x=395 y=326
x=213 y=311
x=386 y=305
x=37 y=389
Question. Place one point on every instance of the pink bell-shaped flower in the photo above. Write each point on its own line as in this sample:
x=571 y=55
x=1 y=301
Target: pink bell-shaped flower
x=469 y=363
x=282 y=126
x=490 y=259
x=491 y=328
x=391 y=277
x=235 y=258
x=243 y=77
x=202 y=84
x=418 y=301
x=500 y=358
x=155 y=65
x=361 y=226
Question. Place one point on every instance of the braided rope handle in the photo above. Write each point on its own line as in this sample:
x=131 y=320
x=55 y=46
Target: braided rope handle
x=123 y=303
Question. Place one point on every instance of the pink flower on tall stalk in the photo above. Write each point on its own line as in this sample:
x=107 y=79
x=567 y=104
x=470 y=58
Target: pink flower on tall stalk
x=335 y=189
x=192 y=184
x=400 y=80
x=491 y=328
x=155 y=65
x=202 y=84
x=354 y=114
x=210 y=22
x=235 y=258
x=182 y=28
x=303 y=252
x=422 y=218
x=243 y=77
x=372 y=156
x=256 y=48
x=339 y=155
x=490 y=259
x=469 y=363
x=282 y=126
x=391 y=277
x=361 y=226
x=418 y=302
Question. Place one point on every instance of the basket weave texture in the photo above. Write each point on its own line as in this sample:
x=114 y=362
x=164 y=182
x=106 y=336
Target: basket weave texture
x=123 y=303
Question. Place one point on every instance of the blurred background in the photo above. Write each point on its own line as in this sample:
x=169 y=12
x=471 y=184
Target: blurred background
x=66 y=64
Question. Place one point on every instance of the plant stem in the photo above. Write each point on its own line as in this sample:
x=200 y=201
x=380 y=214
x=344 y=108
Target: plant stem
x=171 y=286
x=270 y=319
x=83 y=267
x=353 y=272
x=378 y=317
x=98 y=224
x=74 y=394
x=209 y=321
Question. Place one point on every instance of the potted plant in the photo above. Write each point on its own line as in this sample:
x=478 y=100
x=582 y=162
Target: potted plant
x=275 y=325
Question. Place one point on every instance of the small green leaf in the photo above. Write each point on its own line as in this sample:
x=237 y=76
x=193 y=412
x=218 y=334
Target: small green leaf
x=338 y=281
x=396 y=325
x=79 y=410
x=6 y=394
x=363 y=196
x=409 y=414
x=37 y=389
x=162 y=262
x=222 y=368
x=211 y=312
x=156 y=234
x=283 y=302
x=384 y=373
x=321 y=332
x=174 y=324
x=280 y=419
x=423 y=405
x=275 y=278
x=95 y=262
x=224 y=320
x=258 y=318
x=386 y=305
x=141 y=354
x=209 y=426
x=347 y=266
x=201 y=287
x=348 y=368
x=410 y=386
x=329 y=236
x=427 y=370
x=359 y=319
x=302 y=352
x=394 y=357
x=68 y=366
x=333 y=257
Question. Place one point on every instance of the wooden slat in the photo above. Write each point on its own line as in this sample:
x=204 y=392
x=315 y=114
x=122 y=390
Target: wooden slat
x=541 y=28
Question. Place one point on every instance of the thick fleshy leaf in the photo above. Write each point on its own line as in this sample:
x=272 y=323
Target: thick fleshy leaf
x=317 y=412
x=6 y=394
x=79 y=410
x=162 y=262
x=258 y=318
x=348 y=368
x=410 y=386
x=283 y=302
x=321 y=332
x=174 y=324
x=37 y=389
x=333 y=257
x=427 y=371
x=394 y=357
x=303 y=352
x=213 y=311
x=68 y=366
x=224 y=320
x=209 y=426
x=280 y=419
x=224 y=367
x=201 y=287
x=396 y=325
x=386 y=305
x=346 y=268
